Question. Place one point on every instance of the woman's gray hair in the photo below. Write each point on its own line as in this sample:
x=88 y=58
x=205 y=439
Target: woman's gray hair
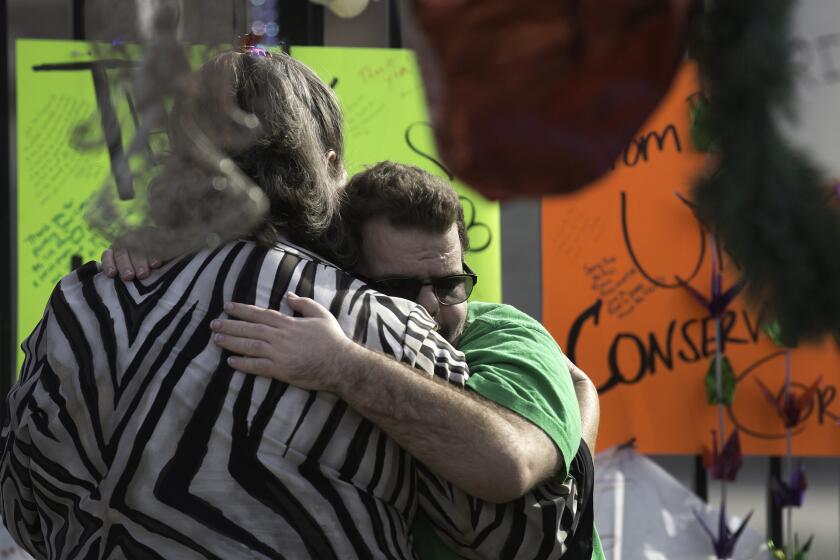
x=277 y=122
x=248 y=150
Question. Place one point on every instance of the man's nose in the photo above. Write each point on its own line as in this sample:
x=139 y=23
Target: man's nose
x=427 y=299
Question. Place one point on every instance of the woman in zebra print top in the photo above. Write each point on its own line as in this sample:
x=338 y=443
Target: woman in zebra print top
x=129 y=436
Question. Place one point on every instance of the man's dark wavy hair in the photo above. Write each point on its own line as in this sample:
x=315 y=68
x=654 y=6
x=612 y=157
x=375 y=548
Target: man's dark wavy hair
x=408 y=196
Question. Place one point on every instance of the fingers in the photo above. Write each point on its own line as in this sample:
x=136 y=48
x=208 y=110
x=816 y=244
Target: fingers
x=141 y=264
x=109 y=265
x=254 y=314
x=243 y=329
x=257 y=366
x=306 y=306
x=123 y=263
x=249 y=347
x=129 y=262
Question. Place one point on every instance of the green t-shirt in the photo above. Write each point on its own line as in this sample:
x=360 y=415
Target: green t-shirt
x=515 y=363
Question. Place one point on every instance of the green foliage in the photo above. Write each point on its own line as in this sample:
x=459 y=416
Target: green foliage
x=799 y=552
x=774 y=331
x=728 y=382
x=765 y=200
x=701 y=136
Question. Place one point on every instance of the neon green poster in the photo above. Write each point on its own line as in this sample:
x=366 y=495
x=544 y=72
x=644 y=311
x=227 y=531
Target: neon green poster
x=56 y=177
x=385 y=117
x=59 y=90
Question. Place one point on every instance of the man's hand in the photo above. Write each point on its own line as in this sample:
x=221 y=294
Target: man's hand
x=501 y=455
x=306 y=352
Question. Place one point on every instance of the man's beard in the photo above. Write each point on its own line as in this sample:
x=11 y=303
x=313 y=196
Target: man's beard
x=447 y=333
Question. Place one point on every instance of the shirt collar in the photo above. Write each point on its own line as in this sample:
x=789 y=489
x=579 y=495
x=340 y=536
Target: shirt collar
x=284 y=241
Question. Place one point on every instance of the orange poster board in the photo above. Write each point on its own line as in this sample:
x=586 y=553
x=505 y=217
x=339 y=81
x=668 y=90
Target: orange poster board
x=613 y=257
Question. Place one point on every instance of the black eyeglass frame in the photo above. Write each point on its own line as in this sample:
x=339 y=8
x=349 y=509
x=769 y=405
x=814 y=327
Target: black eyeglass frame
x=468 y=273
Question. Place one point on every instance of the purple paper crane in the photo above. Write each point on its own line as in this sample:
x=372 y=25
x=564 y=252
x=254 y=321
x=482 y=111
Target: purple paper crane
x=788 y=407
x=720 y=300
x=724 y=465
x=717 y=304
x=792 y=492
x=724 y=543
x=691 y=205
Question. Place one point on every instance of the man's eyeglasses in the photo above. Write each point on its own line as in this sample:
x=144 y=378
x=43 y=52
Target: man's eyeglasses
x=449 y=290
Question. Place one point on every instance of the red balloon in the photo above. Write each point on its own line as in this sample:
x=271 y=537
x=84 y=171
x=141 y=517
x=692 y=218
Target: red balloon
x=540 y=97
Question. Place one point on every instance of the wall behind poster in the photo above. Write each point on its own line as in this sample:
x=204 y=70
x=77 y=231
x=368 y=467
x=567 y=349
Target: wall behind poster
x=613 y=255
x=380 y=92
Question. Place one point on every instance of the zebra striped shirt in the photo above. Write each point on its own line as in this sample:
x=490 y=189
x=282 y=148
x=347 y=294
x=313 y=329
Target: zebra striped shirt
x=128 y=436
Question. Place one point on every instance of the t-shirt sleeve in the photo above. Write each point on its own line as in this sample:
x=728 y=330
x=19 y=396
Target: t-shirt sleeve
x=518 y=365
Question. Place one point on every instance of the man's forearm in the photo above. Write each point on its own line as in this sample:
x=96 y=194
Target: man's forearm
x=485 y=450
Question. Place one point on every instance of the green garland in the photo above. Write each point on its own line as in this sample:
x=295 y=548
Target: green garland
x=766 y=200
